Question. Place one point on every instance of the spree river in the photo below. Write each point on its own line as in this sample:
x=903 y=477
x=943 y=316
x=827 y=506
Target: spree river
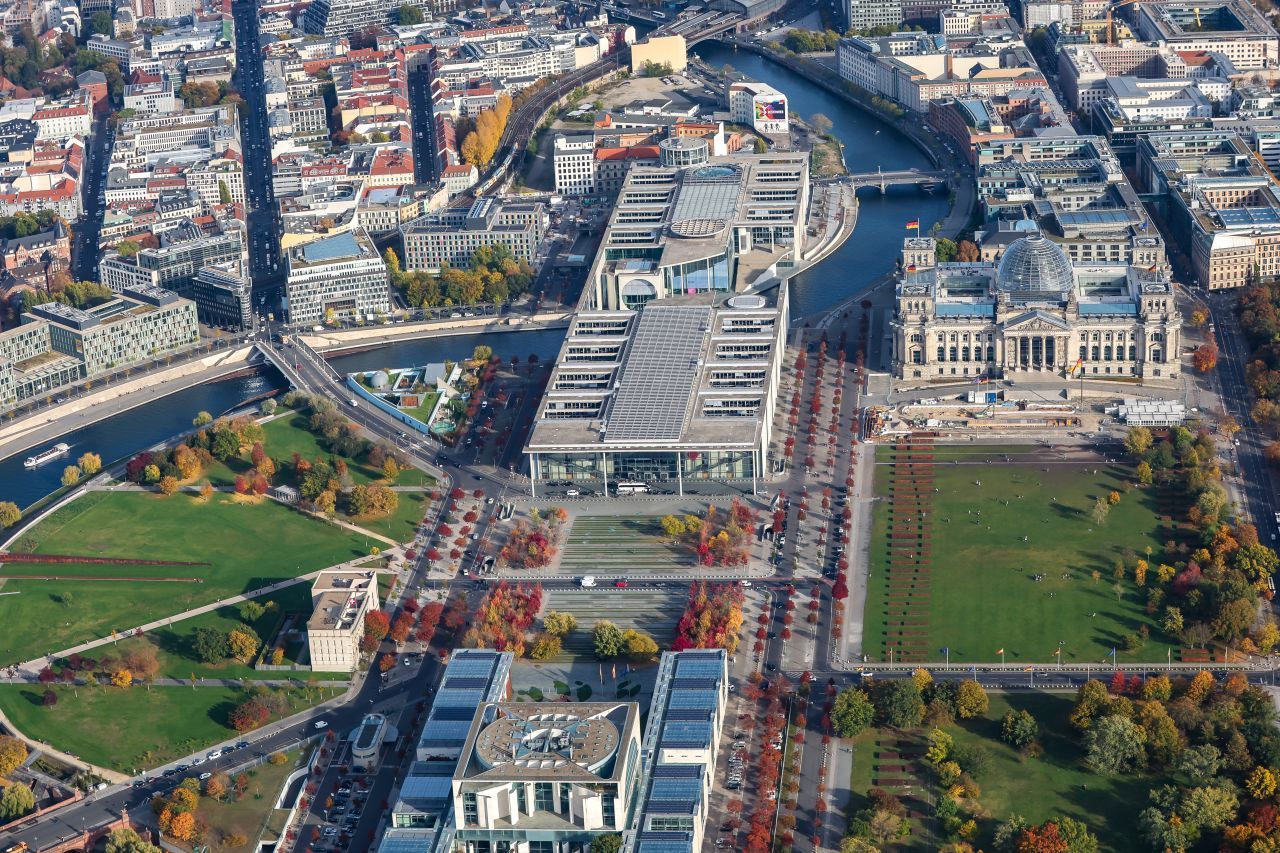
x=869 y=144
x=868 y=254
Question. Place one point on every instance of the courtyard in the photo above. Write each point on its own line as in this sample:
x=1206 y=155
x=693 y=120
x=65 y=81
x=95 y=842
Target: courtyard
x=978 y=549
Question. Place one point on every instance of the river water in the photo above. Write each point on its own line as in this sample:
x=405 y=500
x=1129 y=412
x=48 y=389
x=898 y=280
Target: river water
x=868 y=143
x=868 y=254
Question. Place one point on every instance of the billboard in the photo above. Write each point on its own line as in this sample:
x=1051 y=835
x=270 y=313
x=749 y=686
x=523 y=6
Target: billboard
x=771 y=110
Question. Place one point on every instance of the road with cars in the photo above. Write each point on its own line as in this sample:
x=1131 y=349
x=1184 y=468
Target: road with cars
x=87 y=230
x=263 y=224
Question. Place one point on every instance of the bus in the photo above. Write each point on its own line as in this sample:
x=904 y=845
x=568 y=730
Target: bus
x=631 y=487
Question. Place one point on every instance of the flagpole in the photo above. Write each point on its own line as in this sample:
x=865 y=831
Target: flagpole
x=1002 y=657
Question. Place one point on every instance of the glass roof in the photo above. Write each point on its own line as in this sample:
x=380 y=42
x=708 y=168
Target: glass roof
x=1034 y=265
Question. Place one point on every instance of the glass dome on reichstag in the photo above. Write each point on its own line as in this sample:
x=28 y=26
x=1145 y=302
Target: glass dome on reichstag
x=1034 y=266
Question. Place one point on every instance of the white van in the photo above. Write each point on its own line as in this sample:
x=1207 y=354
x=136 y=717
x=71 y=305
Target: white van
x=587 y=581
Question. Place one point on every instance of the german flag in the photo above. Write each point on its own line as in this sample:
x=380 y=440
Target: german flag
x=911 y=267
x=913 y=223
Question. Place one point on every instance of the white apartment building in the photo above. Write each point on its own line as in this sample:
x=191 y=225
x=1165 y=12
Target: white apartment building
x=758 y=105
x=574 y=161
x=339 y=602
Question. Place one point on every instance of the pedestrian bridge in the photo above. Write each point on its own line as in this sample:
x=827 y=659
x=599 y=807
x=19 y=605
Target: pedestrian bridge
x=900 y=178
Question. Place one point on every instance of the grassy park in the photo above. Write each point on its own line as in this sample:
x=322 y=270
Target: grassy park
x=289 y=434
x=1055 y=784
x=134 y=727
x=619 y=545
x=246 y=546
x=1010 y=563
x=253 y=812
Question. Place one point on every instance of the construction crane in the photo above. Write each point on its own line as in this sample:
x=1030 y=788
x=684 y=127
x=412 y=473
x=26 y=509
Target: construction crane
x=1111 y=30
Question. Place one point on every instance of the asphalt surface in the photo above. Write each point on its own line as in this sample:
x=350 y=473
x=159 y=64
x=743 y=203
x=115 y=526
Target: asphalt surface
x=265 y=264
x=85 y=233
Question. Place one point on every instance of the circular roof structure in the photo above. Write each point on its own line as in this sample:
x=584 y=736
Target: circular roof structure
x=1034 y=266
x=544 y=741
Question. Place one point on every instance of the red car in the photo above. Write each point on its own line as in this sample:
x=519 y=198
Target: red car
x=620 y=584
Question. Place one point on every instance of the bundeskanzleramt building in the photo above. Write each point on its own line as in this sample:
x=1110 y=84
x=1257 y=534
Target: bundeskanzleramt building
x=422 y=817
x=58 y=345
x=681 y=741
x=1029 y=315
x=336 y=278
x=451 y=237
x=339 y=602
x=546 y=777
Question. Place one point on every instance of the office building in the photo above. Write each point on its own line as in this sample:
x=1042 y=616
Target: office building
x=863 y=15
x=683 y=389
x=339 y=602
x=719 y=227
x=759 y=106
x=451 y=237
x=57 y=345
x=223 y=295
x=681 y=740
x=1233 y=28
x=172 y=266
x=670 y=52
x=546 y=776
x=339 y=277
x=1031 y=315
x=1220 y=203
x=422 y=815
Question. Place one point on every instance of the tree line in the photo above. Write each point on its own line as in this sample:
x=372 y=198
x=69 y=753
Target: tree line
x=493 y=275
x=482 y=135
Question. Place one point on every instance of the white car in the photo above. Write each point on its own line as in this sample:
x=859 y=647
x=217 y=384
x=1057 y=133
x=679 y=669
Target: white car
x=217 y=753
x=321 y=724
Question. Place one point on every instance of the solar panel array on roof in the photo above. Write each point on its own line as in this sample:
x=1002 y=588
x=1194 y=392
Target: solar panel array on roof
x=453 y=712
x=465 y=683
x=686 y=734
x=660 y=806
x=665 y=842
x=681 y=683
x=657 y=374
x=693 y=699
x=433 y=788
x=688 y=714
x=676 y=788
x=677 y=771
x=1238 y=217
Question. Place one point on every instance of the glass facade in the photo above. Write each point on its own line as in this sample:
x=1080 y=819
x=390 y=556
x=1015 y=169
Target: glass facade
x=648 y=465
x=701 y=276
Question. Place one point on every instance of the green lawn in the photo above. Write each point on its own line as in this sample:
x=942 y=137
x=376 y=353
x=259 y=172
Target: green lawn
x=287 y=435
x=174 y=642
x=124 y=729
x=982 y=593
x=608 y=544
x=1052 y=785
x=423 y=411
x=247 y=546
x=248 y=815
x=400 y=525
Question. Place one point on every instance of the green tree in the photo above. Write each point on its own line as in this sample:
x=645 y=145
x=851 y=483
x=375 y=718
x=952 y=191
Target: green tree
x=12 y=753
x=610 y=843
x=224 y=192
x=1201 y=764
x=1115 y=744
x=545 y=646
x=1138 y=441
x=971 y=700
x=202 y=419
x=607 y=639
x=9 y=514
x=16 y=801
x=1019 y=729
x=638 y=644
x=559 y=624
x=210 y=644
x=1078 y=837
x=946 y=250
x=128 y=248
x=125 y=840
x=851 y=712
x=898 y=703
x=408 y=15
x=252 y=611
x=99 y=23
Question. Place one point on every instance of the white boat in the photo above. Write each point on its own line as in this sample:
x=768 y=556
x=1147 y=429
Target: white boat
x=48 y=456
